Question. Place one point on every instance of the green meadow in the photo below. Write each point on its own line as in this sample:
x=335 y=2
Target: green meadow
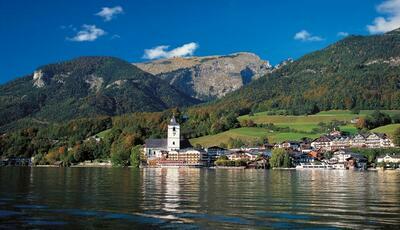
x=301 y=126
x=248 y=134
x=388 y=129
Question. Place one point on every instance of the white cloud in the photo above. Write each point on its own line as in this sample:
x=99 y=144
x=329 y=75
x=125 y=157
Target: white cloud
x=88 y=33
x=115 y=36
x=108 y=13
x=342 y=34
x=304 y=35
x=162 y=52
x=391 y=21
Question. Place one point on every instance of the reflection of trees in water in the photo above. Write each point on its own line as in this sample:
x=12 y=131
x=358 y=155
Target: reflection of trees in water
x=336 y=198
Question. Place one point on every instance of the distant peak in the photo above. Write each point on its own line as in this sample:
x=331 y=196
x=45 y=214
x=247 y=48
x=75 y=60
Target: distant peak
x=392 y=32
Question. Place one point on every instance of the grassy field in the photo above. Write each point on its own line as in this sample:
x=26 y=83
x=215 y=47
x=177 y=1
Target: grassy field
x=103 y=133
x=388 y=129
x=302 y=124
x=248 y=134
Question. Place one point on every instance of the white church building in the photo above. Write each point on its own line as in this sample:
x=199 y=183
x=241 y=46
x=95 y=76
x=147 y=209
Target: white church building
x=173 y=151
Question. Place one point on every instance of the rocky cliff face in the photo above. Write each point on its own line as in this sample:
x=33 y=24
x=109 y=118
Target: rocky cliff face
x=209 y=77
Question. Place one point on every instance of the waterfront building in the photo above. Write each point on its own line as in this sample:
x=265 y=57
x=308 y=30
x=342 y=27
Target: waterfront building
x=292 y=145
x=322 y=143
x=188 y=157
x=154 y=148
x=389 y=159
x=241 y=155
x=214 y=152
x=358 y=141
x=341 y=143
x=174 y=152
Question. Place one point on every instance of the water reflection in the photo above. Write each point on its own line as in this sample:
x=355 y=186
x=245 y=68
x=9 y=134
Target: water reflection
x=199 y=198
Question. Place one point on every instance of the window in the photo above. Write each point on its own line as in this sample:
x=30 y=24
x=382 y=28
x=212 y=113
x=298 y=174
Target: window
x=173 y=143
x=173 y=129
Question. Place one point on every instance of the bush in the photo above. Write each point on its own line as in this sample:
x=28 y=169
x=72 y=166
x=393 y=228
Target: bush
x=135 y=156
x=280 y=159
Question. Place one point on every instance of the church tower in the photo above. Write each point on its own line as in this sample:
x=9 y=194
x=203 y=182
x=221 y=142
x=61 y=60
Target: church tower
x=173 y=135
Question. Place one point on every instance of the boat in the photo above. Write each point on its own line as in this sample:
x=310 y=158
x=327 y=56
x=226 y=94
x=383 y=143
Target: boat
x=314 y=166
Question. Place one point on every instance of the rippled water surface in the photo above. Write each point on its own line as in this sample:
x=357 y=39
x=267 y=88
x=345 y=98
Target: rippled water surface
x=40 y=198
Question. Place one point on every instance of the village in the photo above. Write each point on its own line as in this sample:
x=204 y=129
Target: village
x=333 y=150
x=330 y=151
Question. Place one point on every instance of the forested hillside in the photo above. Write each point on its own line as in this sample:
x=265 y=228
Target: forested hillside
x=358 y=72
x=84 y=87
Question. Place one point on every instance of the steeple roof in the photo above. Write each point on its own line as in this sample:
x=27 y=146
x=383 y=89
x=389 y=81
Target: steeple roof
x=173 y=121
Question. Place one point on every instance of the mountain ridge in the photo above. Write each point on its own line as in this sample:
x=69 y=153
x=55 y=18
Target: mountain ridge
x=357 y=72
x=209 y=77
x=84 y=87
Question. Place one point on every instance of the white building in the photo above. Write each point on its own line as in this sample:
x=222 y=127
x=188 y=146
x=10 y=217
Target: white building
x=241 y=155
x=358 y=141
x=389 y=159
x=173 y=139
x=154 y=148
x=168 y=153
x=322 y=143
x=341 y=156
x=378 y=140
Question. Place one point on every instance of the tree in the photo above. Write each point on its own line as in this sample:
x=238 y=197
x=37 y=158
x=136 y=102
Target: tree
x=361 y=123
x=135 y=156
x=377 y=119
x=396 y=137
x=287 y=162
x=280 y=158
x=396 y=118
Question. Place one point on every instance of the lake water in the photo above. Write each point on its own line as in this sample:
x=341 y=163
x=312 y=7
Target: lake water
x=197 y=198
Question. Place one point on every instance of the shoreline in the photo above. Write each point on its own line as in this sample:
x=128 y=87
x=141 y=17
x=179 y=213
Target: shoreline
x=109 y=165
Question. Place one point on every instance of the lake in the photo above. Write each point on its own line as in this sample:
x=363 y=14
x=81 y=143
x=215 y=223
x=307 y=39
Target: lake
x=197 y=198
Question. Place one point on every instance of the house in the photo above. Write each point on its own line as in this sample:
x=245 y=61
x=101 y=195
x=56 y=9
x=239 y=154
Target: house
x=340 y=156
x=241 y=155
x=358 y=141
x=389 y=159
x=301 y=158
x=188 y=157
x=214 y=152
x=335 y=133
x=373 y=141
x=322 y=143
x=341 y=143
x=293 y=145
x=315 y=154
x=344 y=159
x=378 y=140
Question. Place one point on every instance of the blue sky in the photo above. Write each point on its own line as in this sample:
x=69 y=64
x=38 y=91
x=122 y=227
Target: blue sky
x=39 y=32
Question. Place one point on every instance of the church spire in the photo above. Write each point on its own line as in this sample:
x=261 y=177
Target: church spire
x=173 y=121
x=173 y=135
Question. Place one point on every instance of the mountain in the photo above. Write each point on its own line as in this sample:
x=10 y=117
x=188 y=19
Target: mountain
x=85 y=87
x=209 y=77
x=358 y=72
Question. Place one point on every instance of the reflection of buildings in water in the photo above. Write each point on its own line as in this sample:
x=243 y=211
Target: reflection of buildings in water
x=347 y=192
x=166 y=186
x=171 y=200
x=384 y=190
x=181 y=185
x=152 y=188
x=167 y=191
